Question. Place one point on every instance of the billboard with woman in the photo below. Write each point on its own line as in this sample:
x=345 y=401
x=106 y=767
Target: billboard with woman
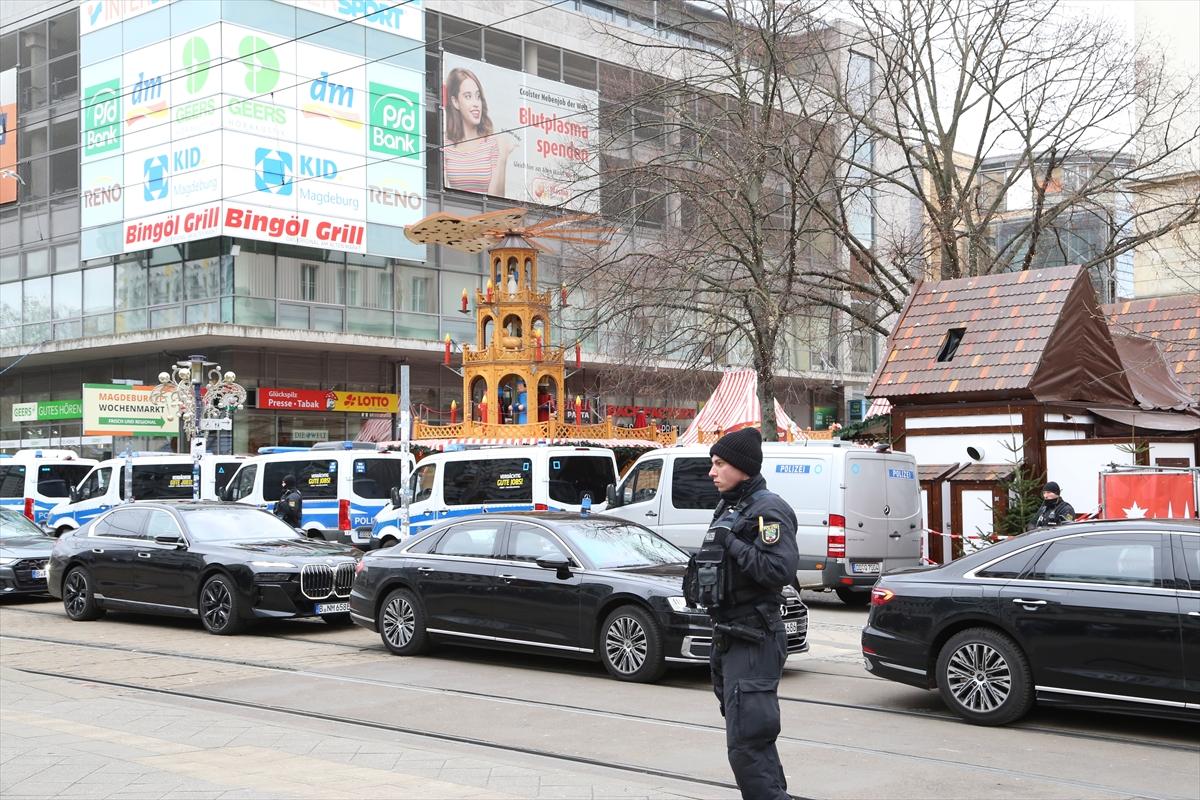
x=512 y=135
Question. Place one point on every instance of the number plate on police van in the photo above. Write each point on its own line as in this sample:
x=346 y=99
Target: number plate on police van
x=865 y=568
x=38 y=575
x=791 y=626
x=333 y=608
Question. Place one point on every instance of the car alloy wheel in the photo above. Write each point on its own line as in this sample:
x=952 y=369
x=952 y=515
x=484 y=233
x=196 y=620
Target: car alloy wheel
x=984 y=677
x=625 y=644
x=219 y=607
x=979 y=677
x=78 y=600
x=399 y=621
x=402 y=624
x=631 y=646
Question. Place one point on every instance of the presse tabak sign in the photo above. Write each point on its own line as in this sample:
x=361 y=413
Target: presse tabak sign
x=326 y=400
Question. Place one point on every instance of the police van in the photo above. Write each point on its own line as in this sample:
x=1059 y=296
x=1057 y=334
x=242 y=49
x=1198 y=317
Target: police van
x=343 y=485
x=34 y=481
x=458 y=484
x=858 y=510
x=154 y=476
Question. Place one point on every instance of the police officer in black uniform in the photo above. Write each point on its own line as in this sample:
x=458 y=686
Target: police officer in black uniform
x=290 y=505
x=749 y=555
x=1054 y=510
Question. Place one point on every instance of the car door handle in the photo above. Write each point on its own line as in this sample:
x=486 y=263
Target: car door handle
x=143 y=555
x=98 y=550
x=1194 y=613
x=507 y=578
x=1024 y=602
x=894 y=535
x=425 y=569
x=651 y=513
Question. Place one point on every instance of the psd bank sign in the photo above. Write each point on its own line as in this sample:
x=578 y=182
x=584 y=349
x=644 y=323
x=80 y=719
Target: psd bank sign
x=395 y=121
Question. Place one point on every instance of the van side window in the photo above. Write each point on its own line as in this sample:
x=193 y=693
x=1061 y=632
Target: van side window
x=571 y=477
x=315 y=478
x=96 y=484
x=690 y=485
x=642 y=483
x=375 y=477
x=223 y=472
x=12 y=480
x=422 y=482
x=162 y=481
x=497 y=480
x=243 y=482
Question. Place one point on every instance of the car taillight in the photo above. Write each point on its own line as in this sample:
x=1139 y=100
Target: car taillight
x=881 y=596
x=343 y=515
x=835 y=541
x=29 y=508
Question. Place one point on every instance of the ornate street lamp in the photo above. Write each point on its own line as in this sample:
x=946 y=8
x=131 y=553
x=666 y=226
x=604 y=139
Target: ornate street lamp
x=180 y=394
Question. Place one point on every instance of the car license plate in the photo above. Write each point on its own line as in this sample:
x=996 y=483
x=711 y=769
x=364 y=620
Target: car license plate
x=865 y=568
x=38 y=575
x=333 y=608
x=791 y=626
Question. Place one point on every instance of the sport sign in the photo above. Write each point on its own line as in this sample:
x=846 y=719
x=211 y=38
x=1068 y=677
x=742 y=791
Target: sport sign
x=115 y=410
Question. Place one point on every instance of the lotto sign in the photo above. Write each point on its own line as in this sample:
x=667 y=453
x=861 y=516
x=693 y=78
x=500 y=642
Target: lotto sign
x=102 y=118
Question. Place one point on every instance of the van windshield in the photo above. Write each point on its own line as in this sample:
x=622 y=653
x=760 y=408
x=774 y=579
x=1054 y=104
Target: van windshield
x=571 y=477
x=375 y=477
x=57 y=480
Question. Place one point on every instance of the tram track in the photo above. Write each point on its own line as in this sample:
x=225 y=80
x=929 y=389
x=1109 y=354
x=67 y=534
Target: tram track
x=945 y=717
x=573 y=709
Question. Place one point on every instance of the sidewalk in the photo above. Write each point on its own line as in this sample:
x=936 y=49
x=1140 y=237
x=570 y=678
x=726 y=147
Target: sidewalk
x=70 y=739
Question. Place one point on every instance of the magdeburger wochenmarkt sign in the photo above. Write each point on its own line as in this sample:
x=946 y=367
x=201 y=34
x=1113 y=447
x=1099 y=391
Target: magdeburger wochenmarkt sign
x=46 y=410
x=111 y=409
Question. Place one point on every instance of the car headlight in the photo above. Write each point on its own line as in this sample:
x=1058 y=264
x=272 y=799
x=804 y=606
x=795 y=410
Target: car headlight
x=4 y=562
x=273 y=564
x=680 y=604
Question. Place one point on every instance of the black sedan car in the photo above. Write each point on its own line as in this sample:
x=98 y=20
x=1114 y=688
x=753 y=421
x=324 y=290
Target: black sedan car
x=1104 y=615
x=24 y=551
x=568 y=584
x=227 y=564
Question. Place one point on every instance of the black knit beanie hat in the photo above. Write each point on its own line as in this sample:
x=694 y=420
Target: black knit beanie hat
x=742 y=449
x=1052 y=487
x=289 y=481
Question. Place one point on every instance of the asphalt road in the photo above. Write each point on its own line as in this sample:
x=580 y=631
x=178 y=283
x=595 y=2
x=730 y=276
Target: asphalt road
x=846 y=734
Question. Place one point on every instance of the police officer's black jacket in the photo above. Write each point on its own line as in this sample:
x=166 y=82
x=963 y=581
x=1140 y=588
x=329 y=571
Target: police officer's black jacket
x=1053 y=512
x=289 y=507
x=763 y=557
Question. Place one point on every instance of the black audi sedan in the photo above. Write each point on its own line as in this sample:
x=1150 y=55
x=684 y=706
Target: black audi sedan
x=227 y=564
x=576 y=585
x=1102 y=615
x=24 y=551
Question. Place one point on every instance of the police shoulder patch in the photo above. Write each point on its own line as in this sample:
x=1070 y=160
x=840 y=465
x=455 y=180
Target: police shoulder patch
x=770 y=533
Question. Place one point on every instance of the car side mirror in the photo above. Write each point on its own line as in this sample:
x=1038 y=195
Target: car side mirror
x=74 y=495
x=610 y=494
x=170 y=539
x=398 y=494
x=224 y=494
x=561 y=566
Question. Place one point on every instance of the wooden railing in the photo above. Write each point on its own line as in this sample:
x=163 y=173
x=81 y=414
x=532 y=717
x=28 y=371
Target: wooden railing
x=552 y=429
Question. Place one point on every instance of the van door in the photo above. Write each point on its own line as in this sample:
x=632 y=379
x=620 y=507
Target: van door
x=866 y=513
x=803 y=481
x=690 y=501
x=904 y=513
x=639 y=495
x=422 y=499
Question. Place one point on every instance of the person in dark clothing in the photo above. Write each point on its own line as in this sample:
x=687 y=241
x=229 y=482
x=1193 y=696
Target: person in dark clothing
x=753 y=540
x=290 y=505
x=1054 y=510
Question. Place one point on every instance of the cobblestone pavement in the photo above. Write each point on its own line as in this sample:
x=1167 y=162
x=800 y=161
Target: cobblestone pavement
x=73 y=739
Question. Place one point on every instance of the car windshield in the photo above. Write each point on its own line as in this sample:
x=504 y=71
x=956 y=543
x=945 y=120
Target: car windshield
x=612 y=544
x=235 y=525
x=14 y=524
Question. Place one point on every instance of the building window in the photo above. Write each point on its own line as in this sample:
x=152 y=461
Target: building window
x=308 y=282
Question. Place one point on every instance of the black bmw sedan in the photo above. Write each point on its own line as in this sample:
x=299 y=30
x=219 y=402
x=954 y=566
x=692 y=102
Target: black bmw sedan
x=227 y=564
x=24 y=550
x=1103 y=615
x=575 y=585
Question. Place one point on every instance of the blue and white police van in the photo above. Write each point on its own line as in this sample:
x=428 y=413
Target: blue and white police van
x=343 y=485
x=466 y=482
x=153 y=476
x=34 y=481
